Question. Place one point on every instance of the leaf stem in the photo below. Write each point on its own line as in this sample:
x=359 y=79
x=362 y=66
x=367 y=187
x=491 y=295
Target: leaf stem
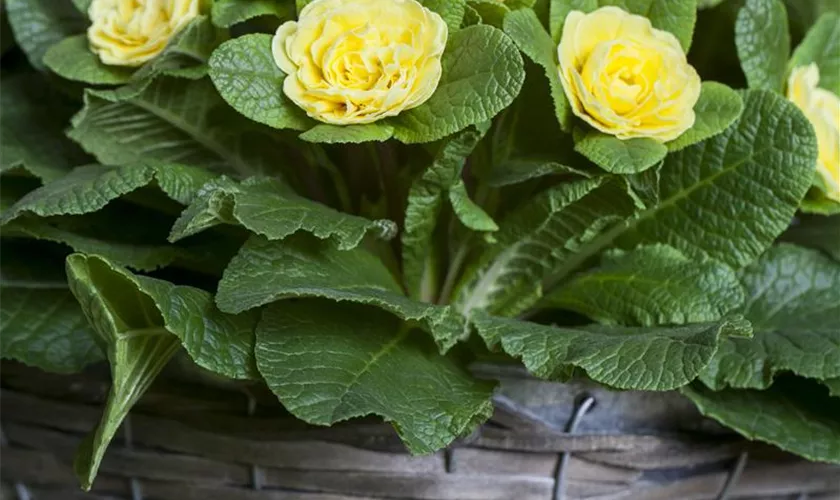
x=323 y=160
x=454 y=271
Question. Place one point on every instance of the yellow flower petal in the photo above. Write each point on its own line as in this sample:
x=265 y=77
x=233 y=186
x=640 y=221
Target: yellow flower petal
x=358 y=61
x=626 y=78
x=132 y=32
x=822 y=108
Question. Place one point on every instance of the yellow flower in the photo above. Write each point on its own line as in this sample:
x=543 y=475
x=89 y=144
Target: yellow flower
x=357 y=61
x=822 y=108
x=626 y=78
x=131 y=32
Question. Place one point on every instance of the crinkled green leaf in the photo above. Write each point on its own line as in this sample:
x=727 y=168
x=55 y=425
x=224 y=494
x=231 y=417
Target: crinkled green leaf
x=793 y=300
x=652 y=359
x=425 y=202
x=41 y=324
x=269 y=208
x=816 y=202
x=730 y=196
x=822 y=46
x=245 y=74
x=334 y=134
x=726 y=198
x=525 y=29
x=817 y=231
x=452 y=11
x=537 y=238
x=676 y=16
x=795 y=414
x=833 y=387
x=142 y=257
x=89 y=188
x=143 y=321
x=716 y=109
x=226 y=13
x=32 y=121
x=468 y=212
x=763 y=41
x=490 y=12
x=72 y=58
x=329 y=362
x=267 y=271
x=620 y=156
x=182 y=122
x=40 y=24
x=652 y=285
x=482 y=74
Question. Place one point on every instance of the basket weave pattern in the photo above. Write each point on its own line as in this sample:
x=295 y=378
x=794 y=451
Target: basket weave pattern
x=191 y=442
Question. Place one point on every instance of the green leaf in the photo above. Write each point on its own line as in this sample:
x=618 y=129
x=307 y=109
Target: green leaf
x=818 y=232
x=727 y=199
x=763 y=41
x=268 y=207
x=72 y=58
x=482 y=74
x=335 y=134
x=267 y=271
x=89 y=188
x=652 y=285
x=354 y=362
x=468 y=212
x=32 y=121
x=793 y=299
x=822 y=46
x=816 y=202
x=452 y=11
x=718 y=200
x=676 y=16
x=183 y=121
x=620 y=156
x=82 y=5
x=833 y=387
x=226 y=13
x=130 y=328
x=41 y=324
x=84 y=190
x=425 y=202
x=537 y=238
x=490 y=12
x=143 y=256
x=651 y=359
x=40 y=24
x=245 y=74
x=531 y=38
x=141 y=321
x=797 y=415
x=716 y=109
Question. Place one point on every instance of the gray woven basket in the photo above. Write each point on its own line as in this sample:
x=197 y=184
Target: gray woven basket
x=188 y=441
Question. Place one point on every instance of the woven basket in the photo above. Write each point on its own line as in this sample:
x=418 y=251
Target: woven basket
x=188 y=441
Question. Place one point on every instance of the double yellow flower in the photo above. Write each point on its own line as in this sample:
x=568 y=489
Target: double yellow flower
x=132 y=32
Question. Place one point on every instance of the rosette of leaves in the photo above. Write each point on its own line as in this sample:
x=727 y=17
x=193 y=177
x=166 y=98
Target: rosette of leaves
x=188 y=206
